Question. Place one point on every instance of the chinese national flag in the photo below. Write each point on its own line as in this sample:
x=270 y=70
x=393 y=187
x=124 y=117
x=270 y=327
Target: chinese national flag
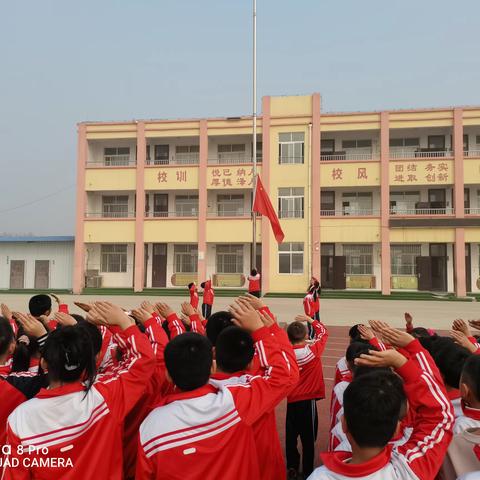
x=263 y=205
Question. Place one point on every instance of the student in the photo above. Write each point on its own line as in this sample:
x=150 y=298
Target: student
x=470 y=393
x=372 y=408
x=192 y=288
x=254 y=283
x=208 y=297
x=203 y=431
x=78 y=419
x=302 y=417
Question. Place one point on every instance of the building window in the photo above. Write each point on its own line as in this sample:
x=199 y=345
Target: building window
x=291 y=147
x=359 y=259
x=327 y=202
x=327 y=145
x=185 y=258
x=404 y=259
x=229 y=258
x=290 y=202
x=259 y=151
x=186 y=205
x=290 y=258
x=187 y=154
x=230 y=205
x=404 y=142
x=357 y=203
x=366 y=143
x=404 y=202
x=116 y=156
x=115 y=206
x=113 y=258
x=231 y=153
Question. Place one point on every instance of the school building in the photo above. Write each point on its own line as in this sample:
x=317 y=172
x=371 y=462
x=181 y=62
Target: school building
x=384 y=200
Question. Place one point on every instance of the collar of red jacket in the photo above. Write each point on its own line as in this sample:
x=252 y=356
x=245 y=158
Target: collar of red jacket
x=225 y=376
x=336 y=462
x=470 y=412
x=180 y=395
x=63 y=390
x=453 y=394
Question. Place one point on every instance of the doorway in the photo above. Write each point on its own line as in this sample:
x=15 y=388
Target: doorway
x=438 y=255
x=327 y=258
x=160 y=205
x=468 y=268
x=17 y=274
x=159 y=265
x=437 y=199
x=42 y=274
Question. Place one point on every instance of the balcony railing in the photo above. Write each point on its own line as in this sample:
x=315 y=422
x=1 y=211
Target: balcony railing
x=125 y=214
x=471 y=153
x=191 y=158
x=113 y=161
x=472 y=211
x=419 y=153
x=230 y=213
x=422 y=211
x=233 y=158
x=182 y=213
x=358 y=212
x=340 y=156
x=290 y=214
x=290 y=159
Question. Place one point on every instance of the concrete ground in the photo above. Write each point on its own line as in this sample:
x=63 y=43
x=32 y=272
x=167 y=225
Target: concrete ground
x=437 y=314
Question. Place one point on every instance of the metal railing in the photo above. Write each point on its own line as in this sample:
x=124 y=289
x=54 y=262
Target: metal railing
x=290 y=214
x=357 y=212
x=179 y=213
x=178 y=159
x=290 y=159
x=472 y=211
x=422 y=211
x=419 y=153
x=230 y=213
x=471 y=153
x=110 y=214
x=113 y=161
x=325 y=157
x=229 y=159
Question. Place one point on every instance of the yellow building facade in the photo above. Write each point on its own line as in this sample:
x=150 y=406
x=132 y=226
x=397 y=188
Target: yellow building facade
x=378 y=200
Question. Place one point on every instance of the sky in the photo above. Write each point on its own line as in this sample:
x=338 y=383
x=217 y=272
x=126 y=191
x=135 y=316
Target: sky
x=65 y=61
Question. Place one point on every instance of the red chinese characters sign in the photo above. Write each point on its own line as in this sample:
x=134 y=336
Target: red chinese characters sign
x=230 y=177
x=425 y=172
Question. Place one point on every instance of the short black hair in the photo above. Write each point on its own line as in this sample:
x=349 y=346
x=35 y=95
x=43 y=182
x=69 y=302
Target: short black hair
x=234 y=349
x=40 y=305
x=188 y=358
x=202 y=284
x=372 y=405
x=216 y=323
x=253 y=272
x=93 y=331
x=354 y=350
x=448 y=356
x=471 y=375
x=420 y=332
x=190 y=285
x=354 y=334
x=6 y=335
x=297 y=332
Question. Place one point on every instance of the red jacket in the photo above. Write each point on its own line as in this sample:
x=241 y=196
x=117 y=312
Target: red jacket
x=208 y=293
x=308 y=305
x=193 y=296
x=176 y=326
x=254 y=283
x=422 y=455
x=81 y=430
x=311 y=384
x=207 y=433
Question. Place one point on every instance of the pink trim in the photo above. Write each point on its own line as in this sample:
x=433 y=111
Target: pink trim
x=385 y=201
x=139 y=275
x=343 y=217
x=100 y=219
x=458 y=162
x=265 y=228
x=79 y=255
x=113 y=167
x=202 y=201
x=315 y=188
x=460 y=267
x=332 y=162
x=150 y=219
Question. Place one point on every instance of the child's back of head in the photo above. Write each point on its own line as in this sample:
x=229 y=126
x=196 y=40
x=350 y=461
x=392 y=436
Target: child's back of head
x=40 y=305
x=188 y=358
x=470 y=381
x=234 y=350
x=372 y=406
x=216 y=323
x=7 y=336
x=297 y=332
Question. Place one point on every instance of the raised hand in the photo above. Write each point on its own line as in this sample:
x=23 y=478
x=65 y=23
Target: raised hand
x=460 y=325
x=163 y=309
x=30 y=324
x=474 y=324
x=141 y=315
x=266 y=319
x=187 y=309
x=386 y=358
x=112 y=314
x=254 y=301
x=397 y=338
x=461 y=339
x=146 y=305
x=83 y=306
x=6 y=312
x=366 y=332
x=64 y=319
x=245 y=316
x=303 y=318
x=408 y=318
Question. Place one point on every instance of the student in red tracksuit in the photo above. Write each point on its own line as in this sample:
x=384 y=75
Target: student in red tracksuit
x=77 y=421
x=203 y=431
x=254 y=287
x=302 y=417
x=208 y=297
x=192 y=289
x=372 y=407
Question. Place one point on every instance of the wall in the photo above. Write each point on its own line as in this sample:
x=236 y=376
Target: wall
x=60 y=255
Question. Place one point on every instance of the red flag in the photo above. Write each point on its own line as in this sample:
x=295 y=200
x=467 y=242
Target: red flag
x=263 y=205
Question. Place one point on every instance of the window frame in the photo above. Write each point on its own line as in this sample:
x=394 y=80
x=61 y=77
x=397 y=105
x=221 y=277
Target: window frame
x=189 y=255
x=293 y=143
x=237 y=251
x=297 y=200
x=291 y=253
x=106 y=257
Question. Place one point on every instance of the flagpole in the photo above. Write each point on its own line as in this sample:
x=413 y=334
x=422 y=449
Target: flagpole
x=254 y=134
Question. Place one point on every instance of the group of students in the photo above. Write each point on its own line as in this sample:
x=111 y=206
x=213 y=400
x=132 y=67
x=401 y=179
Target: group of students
x=152 y=394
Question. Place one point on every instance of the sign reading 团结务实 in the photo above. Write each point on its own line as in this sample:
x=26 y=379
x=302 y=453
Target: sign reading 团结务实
x=421 y=172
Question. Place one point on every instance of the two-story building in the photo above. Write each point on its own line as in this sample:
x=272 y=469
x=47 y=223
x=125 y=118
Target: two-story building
x=377 y=200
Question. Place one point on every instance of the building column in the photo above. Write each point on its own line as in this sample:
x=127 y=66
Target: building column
x=385 y=201
x=265 y=229
x=79 y=253
x=315 y=188
x=202 y=202
x=459 y=195
x=139 y=275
